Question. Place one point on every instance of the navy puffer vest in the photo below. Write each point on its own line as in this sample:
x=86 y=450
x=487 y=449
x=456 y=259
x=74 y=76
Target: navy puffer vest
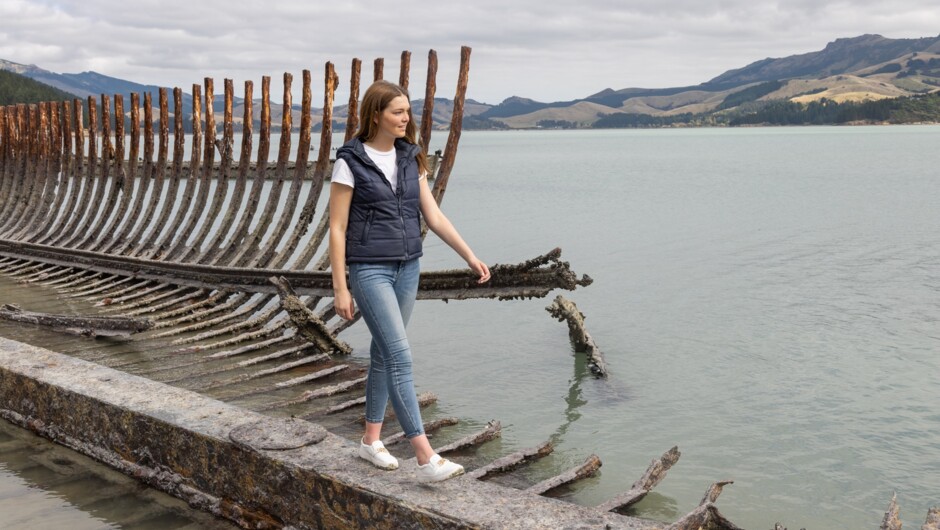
x=383 y=225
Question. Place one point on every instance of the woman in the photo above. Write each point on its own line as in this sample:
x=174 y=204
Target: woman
x=379 y=187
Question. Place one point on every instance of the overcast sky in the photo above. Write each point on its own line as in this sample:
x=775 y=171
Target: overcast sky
x=548 y=51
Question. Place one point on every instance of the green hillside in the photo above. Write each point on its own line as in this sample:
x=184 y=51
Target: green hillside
x=15 y=88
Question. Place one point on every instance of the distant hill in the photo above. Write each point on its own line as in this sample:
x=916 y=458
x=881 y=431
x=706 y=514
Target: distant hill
x=842 y=56
x=852 y=70
x=86 y=83
x=848 y=71
x=94 y=84
x=15 y=88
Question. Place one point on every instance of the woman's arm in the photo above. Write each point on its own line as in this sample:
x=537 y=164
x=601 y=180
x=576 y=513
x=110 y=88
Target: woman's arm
x=340 y=199
x=441 y=225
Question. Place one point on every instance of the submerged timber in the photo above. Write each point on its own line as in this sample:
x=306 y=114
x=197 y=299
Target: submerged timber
x=217 y=268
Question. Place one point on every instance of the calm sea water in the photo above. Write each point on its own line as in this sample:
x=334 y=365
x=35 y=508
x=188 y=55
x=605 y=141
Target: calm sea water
x=767 y=299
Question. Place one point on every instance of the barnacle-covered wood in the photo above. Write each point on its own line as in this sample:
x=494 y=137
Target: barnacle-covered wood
x=892 y=520
x=533 y=278
x=587 y=469
x=512 y=461
x=705 y=517
x=84 y=325
x=933 y=520
x=566 y=310
x=308 y=324
x=654 y=474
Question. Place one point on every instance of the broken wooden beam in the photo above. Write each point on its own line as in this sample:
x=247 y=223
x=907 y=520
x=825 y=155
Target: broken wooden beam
x=933 y=519
x=587 y=469
x=534 y=278
x=346 y=405
x=309 y=326
x=429 y=428
x=892 y=520
x=82 y=325
x=425 y=399
x=713 y=491
x=491 y=431
x=705 y=516
x=565 y=310
x=654 y=474
x=270 y=371
x=512 y=461
x=322 y=392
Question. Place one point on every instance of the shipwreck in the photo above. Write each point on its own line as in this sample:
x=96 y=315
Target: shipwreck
x=216 y=266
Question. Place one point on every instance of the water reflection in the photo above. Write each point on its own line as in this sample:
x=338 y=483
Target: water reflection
x=574 y=400
x=43 y=485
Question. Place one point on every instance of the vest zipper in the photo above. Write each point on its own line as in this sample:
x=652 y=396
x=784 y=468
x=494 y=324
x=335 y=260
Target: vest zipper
x=399 y=193
x=368 y=227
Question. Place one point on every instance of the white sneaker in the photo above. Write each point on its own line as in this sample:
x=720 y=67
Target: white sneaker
x=378 y=455
x=438 y=469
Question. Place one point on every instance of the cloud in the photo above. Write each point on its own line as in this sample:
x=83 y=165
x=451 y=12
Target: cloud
x=544 y=50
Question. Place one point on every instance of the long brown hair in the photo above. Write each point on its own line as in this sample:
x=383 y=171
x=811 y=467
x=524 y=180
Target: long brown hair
x=374 y=102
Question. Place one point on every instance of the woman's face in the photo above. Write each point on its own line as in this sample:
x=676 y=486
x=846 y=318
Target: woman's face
x=393 y=120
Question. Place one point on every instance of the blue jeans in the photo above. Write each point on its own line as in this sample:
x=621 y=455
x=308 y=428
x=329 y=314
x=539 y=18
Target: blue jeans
x=385 y=293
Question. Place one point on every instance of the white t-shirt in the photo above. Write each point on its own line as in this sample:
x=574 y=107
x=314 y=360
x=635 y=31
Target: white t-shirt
x=385 y=160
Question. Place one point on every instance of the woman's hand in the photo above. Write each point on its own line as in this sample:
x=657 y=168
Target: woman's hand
x=480 y=268
x=343 y=303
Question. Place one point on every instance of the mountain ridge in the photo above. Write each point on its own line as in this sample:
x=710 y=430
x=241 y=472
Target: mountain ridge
x=863 y=68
